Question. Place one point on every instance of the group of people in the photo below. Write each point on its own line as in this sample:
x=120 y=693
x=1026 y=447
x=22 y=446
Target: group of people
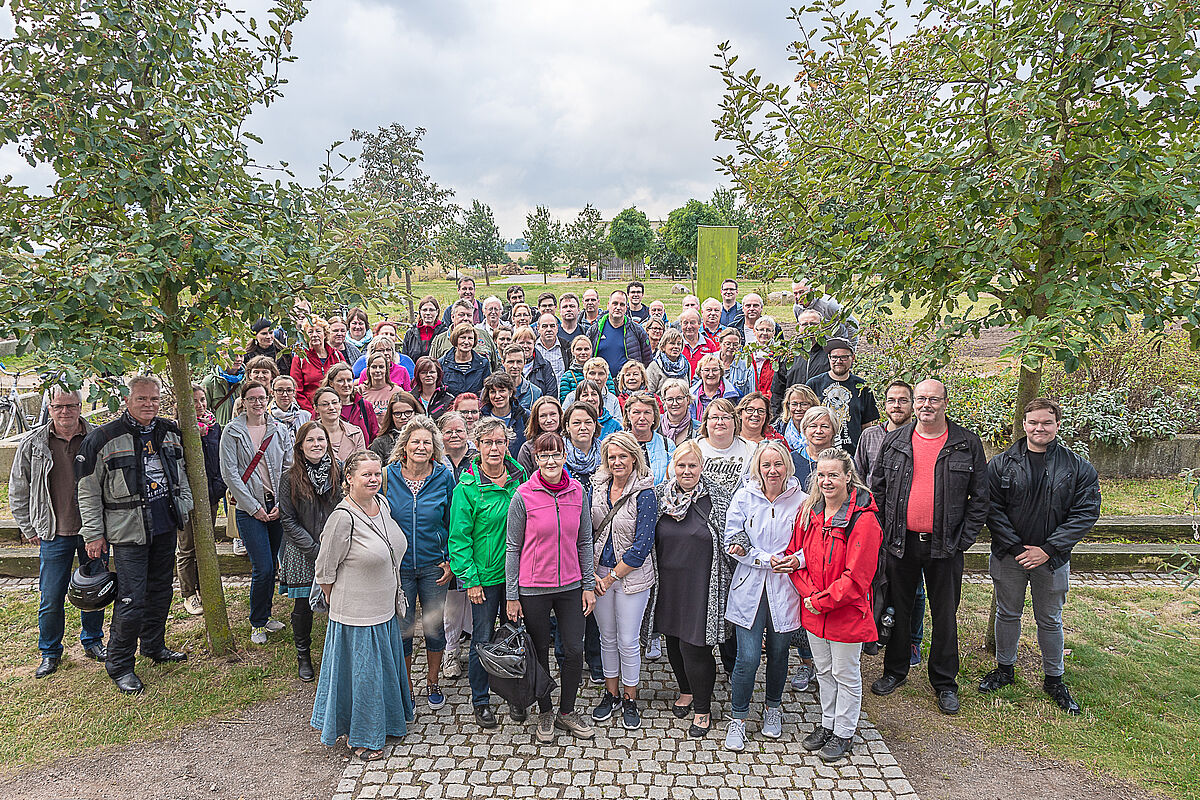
x=619 y=482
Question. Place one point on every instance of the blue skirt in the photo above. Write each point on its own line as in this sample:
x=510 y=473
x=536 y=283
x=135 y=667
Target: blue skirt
x=362 y=692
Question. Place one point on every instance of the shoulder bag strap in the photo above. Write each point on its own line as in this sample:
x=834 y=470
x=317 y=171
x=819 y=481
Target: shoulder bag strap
x=612 y=512
x=262 y=448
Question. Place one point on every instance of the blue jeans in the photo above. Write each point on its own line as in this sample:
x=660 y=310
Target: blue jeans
x=749 y=656
x=422 y=583
x=262 y=540
x=916 y=625
x=54 y=573
x=483 y=625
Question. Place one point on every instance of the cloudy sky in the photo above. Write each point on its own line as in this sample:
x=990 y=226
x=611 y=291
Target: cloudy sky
x=525 y=103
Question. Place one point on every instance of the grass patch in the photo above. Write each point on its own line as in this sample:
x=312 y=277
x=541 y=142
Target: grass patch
x=78 y=708
x=1141 y=496
x=5 y=512
x=1134 y=667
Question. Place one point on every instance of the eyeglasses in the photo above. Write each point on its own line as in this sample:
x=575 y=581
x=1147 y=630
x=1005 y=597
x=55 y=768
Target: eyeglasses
x=284 y=391
x=720 y=418
x=840 y=358
x=256 y=400
x=469 y=412
x=931 y=401
x=64 y=406
x=493 y=443
x=403 y=414
x=545 y=458
x=754 y=412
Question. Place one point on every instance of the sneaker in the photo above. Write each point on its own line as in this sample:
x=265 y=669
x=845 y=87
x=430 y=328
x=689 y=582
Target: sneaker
x=735 y=735
x=239 y=547
x=835 y=749
x=545 y=727
x=193 y=606
x=436 y=698
x=273 y=626
x=817 y=739
x=802 y=678
x=630 y=717
x=258 y=636
x=1062 y=697
x=575 y=725
x=598 y=678
x=654 y=649
x=997 y=679
x=604 y=711
x=772 y=726
x=451 y=669
x=914 y=657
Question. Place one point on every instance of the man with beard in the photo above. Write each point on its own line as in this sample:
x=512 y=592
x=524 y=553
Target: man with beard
x=847 y=394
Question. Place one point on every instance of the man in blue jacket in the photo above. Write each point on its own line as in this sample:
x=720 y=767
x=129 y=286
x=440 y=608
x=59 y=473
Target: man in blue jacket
x=617 y=338
x=1044 y=499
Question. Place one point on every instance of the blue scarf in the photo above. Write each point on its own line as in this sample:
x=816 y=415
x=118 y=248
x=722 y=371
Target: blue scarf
x=233 y=379
x=579 y=463
x=679 y=368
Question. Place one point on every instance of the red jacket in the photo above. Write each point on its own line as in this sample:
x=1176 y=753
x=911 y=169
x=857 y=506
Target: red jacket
x=839 y=567
x=764 y=378
x=308 y=371
x=704 y=346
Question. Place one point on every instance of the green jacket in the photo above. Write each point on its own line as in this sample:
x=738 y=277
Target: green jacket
x=479 y=524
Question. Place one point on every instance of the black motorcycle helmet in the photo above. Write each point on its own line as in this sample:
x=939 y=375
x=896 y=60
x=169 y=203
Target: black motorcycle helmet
x=92 y=586
x=504 y=655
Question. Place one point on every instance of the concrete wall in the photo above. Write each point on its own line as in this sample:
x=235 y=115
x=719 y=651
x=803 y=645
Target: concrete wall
x=1160 y=459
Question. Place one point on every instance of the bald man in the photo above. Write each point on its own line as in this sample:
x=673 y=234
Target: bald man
x=931 y=487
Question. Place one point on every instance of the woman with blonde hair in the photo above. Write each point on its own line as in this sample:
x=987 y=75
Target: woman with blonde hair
x=837 y=534
x=624 y=512
x=308 y=369
x=630 y=378
x=693 y=580
x=398 y=372
x=796 y=401
x=655 y=330
x=642 y=420
x=401 y=407
x=355 y=409
x=375 y=384
x=711 y=384
x=763 y=603
x=668 y=362
x=419 y=489
x=821 y=428
x=362 y=693
x=677 y=423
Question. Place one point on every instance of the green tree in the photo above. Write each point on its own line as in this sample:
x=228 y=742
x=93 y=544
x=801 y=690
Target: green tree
x=630 y=234
x=477 y=240
x=155 y=238
x=665 y=261
x=391 y=168
x=544 y=238
x=680 y=230
x=725 y=201
x=586 y=239
x=1039 y=159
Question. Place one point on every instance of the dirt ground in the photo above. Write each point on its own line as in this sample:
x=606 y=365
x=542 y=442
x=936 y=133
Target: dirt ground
x=943 y=762
x=268 y=752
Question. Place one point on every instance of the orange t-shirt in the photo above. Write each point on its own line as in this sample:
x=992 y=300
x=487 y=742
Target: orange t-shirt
x=920 y=496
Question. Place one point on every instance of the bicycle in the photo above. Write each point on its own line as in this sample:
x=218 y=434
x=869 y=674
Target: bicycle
x=13 y=418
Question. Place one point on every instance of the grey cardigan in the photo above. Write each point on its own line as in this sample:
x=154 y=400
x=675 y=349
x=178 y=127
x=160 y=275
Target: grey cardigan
x=237 y=451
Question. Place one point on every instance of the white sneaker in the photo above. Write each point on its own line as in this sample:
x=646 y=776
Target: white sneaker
x=193 y=606
x=451 y=669
x=772 y=726
x=239 y=547
x=654 y=649
x=273 y=626
x=258 y=636
x=735 y=735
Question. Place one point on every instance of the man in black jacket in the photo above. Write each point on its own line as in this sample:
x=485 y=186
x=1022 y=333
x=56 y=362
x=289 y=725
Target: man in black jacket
x=931 y=488
x=1044 y=499
x=804 y=367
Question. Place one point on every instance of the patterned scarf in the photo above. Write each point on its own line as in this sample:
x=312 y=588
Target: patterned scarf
x=287 y=418
x=675 y=501
x=319 y=473
x=671 y=431
x=206 y=422
x=679 y=368
x=580 y=463
x=795 y=438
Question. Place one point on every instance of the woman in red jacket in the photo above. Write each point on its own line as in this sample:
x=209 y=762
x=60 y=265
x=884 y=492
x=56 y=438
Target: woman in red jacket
x=308 y=368
x=837 y=531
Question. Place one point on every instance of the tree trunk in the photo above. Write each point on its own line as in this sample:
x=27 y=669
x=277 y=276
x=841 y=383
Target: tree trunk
x=212 y=594
x=412 y=317
x=1029 y=386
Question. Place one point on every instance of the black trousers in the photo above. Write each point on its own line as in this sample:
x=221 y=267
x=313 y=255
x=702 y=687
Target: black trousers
x=943 y=590
x=695 y=672
x=567 y=606
x=144 y=575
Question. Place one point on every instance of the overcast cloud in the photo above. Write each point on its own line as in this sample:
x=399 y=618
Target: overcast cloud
x=525 y=103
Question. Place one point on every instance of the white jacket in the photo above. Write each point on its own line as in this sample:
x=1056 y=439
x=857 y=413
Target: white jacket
x=763 y=529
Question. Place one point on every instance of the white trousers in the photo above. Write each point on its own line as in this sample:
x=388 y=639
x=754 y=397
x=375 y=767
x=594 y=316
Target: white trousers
x=619 y=618
x=458 y=617
x=840 y=679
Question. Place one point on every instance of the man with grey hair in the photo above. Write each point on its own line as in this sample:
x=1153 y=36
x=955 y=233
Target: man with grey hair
x=134 y=496
x=493 y=309
x=41 y=494
x=807 y=299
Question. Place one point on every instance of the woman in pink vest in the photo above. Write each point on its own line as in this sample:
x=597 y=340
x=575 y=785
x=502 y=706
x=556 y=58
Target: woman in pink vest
x=548 y=567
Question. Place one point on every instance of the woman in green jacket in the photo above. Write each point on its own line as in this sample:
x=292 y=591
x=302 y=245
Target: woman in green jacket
x=478 y=539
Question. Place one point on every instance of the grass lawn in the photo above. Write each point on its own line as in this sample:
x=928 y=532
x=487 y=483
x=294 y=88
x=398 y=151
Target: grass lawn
x=1133 y=664
x=78 y=708
x=1140 y=496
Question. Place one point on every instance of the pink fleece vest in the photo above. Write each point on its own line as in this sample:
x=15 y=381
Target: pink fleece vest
x=550 y=553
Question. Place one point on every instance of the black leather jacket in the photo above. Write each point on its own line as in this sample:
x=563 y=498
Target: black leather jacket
x=1069 y=506
x=960 y=490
